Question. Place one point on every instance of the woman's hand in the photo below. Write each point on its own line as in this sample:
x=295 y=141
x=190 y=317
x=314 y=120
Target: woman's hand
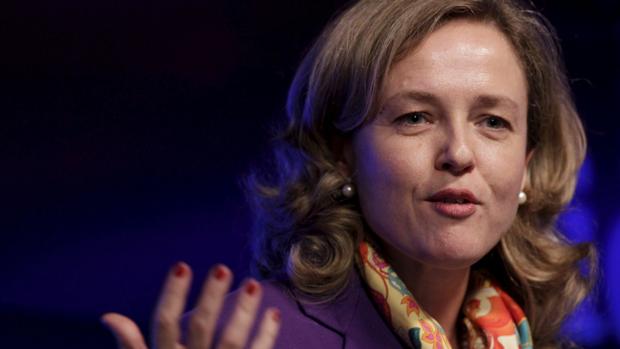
x=201 y=324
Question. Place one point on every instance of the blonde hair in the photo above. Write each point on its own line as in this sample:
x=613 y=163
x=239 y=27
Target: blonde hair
x=307 y=235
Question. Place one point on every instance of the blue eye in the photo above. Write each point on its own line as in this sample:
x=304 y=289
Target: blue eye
x=413 y=118
x=496 y=122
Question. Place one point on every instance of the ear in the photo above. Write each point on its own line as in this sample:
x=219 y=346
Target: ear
x=342 y=148
x=526 y=172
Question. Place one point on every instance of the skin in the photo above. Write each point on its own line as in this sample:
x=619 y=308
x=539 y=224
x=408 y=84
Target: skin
x=453 y=115
x=201 y=326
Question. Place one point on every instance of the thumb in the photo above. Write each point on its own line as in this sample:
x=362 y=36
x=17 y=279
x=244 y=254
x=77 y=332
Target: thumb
x=126 y=331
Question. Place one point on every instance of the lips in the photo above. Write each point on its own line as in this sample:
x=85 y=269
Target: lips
x=454 y=203
x=454 y=196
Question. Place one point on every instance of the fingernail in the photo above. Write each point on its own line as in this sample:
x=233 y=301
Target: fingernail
x=219 y=273
x=102 y=320
x=275 y=315
x=180 y=269
x=250 y=287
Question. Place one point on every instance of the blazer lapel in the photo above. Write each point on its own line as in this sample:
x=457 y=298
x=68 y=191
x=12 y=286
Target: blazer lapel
x=353 y=316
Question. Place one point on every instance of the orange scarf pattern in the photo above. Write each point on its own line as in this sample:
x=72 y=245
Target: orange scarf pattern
x=492 y=318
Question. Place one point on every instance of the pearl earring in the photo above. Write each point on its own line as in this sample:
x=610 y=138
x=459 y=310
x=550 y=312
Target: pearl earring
x=522 y=197
x=348 y=190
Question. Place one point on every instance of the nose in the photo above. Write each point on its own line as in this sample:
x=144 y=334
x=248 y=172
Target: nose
x=455 y=154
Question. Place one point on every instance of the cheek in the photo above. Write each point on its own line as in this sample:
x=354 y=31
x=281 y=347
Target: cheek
x=387 y=177
x=385 y=167
x=504 y=176
x=502 y=164
x=379 y=174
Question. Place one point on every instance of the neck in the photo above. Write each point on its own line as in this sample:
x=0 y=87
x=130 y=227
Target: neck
x=440 y=292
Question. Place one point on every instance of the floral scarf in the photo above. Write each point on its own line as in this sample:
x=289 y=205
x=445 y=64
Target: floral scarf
x=492 y=318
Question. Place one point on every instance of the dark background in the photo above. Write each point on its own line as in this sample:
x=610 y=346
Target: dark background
x=127 y=125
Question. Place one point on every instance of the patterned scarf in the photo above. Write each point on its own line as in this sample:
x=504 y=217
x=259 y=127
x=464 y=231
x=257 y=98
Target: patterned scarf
x=492 y=318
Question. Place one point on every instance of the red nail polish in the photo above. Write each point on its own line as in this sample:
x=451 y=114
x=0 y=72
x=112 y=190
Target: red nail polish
x=220 y=273
x=251 y=287
x=179 y=270
x=275 y=315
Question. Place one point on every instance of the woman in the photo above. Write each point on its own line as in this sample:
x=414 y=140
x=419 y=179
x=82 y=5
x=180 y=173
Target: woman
x=430 y=146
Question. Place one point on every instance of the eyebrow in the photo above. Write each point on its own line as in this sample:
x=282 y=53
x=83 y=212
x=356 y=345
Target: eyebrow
x=490 y=101
x=418 y=96
x=481 y=101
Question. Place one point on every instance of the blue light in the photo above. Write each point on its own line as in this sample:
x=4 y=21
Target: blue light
x=610 y=265
x=586 y=326
x=578 y=223
x=585 y=179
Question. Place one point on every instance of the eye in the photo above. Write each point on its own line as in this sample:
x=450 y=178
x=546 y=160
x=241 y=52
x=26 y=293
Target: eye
x=413 y=118
x=496 y=122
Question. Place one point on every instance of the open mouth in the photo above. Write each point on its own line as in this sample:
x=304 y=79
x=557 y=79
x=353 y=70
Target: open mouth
x=454 y=196
x=454 y=203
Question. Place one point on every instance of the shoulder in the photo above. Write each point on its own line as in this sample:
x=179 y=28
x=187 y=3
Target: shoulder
x=298 y=329
x=349 y=321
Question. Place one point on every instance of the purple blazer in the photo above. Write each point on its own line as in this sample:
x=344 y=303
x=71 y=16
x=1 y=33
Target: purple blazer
x=349 y=322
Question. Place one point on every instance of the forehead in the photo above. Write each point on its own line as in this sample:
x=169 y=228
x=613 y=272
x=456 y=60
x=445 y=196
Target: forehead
x=462 y=56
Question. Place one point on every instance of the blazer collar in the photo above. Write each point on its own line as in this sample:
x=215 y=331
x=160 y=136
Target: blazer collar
x=338 y=313
x=352 y=315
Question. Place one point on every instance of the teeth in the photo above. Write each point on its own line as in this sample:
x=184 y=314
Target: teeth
x=455 y=201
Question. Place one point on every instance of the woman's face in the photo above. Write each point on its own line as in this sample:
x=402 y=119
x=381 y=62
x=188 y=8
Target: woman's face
x=439 y=169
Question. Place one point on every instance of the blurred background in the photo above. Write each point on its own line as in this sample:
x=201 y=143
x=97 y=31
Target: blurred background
x=126 y=127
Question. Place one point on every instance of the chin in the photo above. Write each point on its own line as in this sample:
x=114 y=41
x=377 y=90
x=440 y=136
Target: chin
x=459 y=257
x=452 y=262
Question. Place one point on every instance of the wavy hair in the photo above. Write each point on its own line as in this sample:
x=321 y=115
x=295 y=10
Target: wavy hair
x=307 y=235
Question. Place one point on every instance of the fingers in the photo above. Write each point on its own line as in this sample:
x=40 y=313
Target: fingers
x=166 y=329
x=204 y=318
x=270 y=325
x=127 y=333
x=238 y=328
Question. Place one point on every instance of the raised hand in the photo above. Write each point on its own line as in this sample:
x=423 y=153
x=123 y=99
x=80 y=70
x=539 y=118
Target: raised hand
x=202 y=322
